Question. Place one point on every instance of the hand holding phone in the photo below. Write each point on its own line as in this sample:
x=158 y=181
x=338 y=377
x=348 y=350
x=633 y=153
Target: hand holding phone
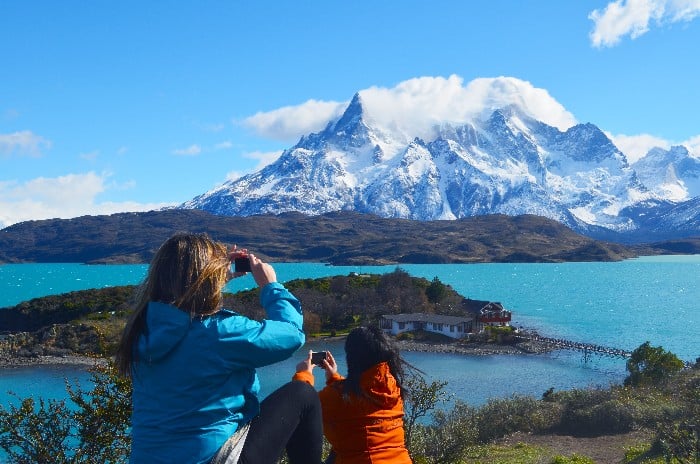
x=241 y=264
x=317 y=357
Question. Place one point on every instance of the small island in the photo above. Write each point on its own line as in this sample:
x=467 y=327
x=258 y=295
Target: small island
x=423 y=315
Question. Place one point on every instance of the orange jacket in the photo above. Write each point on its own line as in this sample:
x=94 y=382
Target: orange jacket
x=368 y=428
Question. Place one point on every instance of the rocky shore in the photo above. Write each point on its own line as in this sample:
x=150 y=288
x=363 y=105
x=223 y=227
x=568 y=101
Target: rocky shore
x=474 y=348
x=8 y=362
x=12 y=360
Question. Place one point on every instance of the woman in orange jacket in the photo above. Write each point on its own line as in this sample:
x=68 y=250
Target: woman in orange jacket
x=363 y=413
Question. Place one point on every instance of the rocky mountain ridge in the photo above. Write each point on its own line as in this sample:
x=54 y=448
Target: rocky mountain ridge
x=506 y=163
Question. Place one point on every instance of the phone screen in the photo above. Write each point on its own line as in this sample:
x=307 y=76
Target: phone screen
x=317 y=357
x=241 y=265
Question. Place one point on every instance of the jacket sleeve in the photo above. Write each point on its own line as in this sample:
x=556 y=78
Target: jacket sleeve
x=274 y=339
x=334 y=378
x=281 y=305
x=304 y=376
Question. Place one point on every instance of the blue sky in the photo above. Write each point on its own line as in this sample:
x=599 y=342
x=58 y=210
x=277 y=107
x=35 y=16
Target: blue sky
x=128 y=106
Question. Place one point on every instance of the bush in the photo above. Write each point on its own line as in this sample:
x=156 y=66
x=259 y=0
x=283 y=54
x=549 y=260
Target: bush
x=449 y=437
x=94 y=431
x=573 y=459
x=501 y=417
x=651 y=365
x=419 y=399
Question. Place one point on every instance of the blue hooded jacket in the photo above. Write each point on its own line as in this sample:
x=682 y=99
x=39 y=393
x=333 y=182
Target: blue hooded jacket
x=194 y=380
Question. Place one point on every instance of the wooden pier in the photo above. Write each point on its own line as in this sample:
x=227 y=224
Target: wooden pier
x=586 y=348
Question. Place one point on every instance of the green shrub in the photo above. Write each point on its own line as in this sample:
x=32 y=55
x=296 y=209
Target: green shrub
x=573 y=459
x=501 y=417
x=449 y=437
x=650 y=365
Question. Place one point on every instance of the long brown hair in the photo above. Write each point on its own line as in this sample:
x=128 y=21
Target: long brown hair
x=188 y=271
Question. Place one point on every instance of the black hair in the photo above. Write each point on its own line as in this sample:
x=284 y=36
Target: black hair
x=366 y=347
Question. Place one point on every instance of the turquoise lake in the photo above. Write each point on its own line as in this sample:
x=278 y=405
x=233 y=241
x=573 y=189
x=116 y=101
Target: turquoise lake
x=621 y=304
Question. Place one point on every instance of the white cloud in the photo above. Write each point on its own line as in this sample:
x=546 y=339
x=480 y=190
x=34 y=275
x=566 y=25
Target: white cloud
x=264 y=158
x=192 y=150
x=212 y=127
x=65 y=197
x=233 y=175
x=90 y=156
x=693 y=145
x=633 y=18
x=290 y=122
x=23 y=143
x=637 y=146
x=226 y=145
x=415 y=105
x=196 y=149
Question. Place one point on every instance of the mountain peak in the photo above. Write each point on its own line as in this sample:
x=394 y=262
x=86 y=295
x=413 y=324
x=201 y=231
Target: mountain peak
x=432 y=149
x=352 y=116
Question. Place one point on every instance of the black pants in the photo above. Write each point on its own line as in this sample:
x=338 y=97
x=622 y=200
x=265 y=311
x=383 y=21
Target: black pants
x=290 y=418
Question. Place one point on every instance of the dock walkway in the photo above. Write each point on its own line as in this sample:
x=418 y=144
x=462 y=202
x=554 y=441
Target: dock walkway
x=585 y=348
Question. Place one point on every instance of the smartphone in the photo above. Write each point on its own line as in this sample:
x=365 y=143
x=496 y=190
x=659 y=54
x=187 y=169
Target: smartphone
x=241 y=264
x=317 y=357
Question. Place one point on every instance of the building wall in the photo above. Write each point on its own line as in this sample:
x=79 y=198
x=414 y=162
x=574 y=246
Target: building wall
x=449 y=330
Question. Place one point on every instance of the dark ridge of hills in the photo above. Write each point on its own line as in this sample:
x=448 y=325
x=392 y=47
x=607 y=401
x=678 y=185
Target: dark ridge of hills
x=340 y=238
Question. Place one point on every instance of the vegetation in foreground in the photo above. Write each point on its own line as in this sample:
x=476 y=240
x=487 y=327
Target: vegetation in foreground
x=659 y=396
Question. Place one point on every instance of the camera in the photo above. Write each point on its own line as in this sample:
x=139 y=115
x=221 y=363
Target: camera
x=317 y=357
x=241 y=264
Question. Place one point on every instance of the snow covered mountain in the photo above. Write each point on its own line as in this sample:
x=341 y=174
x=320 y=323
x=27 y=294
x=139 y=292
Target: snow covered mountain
x=672 y=174
x=500 y=159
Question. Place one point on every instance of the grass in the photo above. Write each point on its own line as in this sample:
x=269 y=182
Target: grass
x=519 y=453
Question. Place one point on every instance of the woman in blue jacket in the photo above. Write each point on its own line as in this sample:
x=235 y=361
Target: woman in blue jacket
x=192 y=364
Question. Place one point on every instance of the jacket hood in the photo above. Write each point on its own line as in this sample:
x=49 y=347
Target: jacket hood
x=380 y=385
x=166 y=326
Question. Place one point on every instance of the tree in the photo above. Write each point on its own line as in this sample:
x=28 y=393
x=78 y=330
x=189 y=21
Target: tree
x=436 y=291
x=94 y=430
x=399 y=293
x=31 y=435
x=649 y=365
x=421 y=398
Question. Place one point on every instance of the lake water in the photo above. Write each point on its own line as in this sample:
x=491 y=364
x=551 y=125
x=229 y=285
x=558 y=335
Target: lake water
x=620 y=304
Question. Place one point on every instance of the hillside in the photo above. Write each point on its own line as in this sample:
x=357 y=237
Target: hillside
x=90 y=321
x=340 y=238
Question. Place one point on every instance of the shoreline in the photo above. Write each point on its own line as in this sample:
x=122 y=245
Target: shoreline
x=469 y=349
x=475 y=348
x=46 y=360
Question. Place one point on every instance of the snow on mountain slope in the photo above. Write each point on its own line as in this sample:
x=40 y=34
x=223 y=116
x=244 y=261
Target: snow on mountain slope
x=509 y=148
x=672 y=174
